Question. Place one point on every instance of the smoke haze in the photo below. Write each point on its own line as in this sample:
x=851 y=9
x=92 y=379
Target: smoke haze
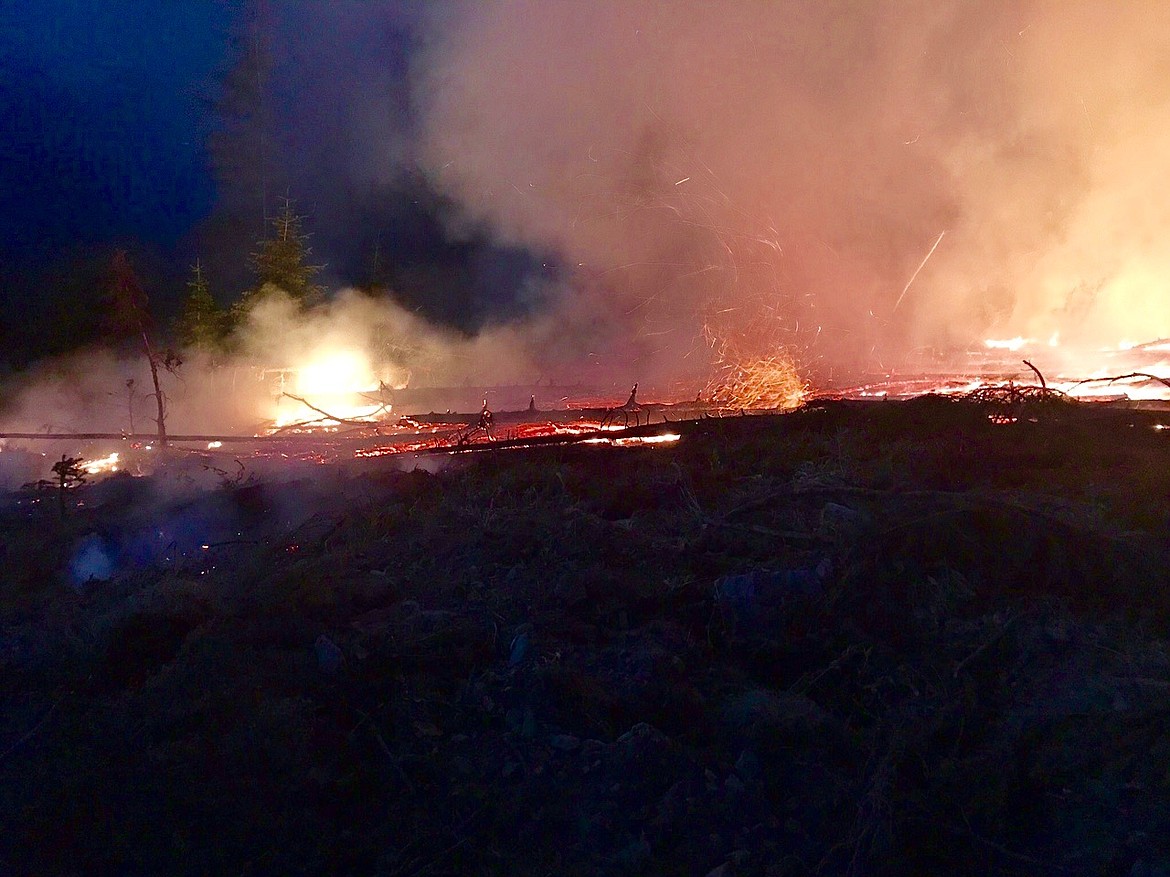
x=777 y=172
x=630 y=190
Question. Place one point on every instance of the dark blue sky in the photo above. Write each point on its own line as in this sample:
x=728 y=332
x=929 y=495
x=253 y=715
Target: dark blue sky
x=106 y=110
x=105 y=113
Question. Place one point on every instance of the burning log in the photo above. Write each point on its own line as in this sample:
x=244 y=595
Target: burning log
x=486 y=418
x=485 y=425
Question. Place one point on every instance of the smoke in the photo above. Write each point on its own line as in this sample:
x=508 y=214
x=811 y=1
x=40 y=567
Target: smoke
x=352 y=344
x=690 y=181
x=368 y=341
x=776 y=172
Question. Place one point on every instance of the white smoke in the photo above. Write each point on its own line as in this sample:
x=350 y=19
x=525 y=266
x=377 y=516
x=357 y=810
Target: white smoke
x=779 y=170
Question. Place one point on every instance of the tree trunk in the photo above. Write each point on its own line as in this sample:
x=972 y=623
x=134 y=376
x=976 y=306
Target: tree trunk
x=158 y=396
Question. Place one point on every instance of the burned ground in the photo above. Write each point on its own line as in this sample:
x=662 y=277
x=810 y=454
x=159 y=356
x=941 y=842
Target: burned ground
x=880 y=638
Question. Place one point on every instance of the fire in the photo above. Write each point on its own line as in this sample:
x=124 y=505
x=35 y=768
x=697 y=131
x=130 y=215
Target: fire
x=764 y=383
x=101 y=465
x=337 y=372
x=1124 y=370
x=634 y=440
x=1012 y=344
x=331 y=387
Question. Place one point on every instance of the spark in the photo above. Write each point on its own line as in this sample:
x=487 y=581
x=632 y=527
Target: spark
x=921 y=265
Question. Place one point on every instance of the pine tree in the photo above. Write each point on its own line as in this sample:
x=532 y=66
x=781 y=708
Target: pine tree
x=70 y=474
x=203 y=323
x=282 y=261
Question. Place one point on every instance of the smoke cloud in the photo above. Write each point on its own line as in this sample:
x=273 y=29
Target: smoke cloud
x=769 y=173
x=678 y=181
x=351 y=345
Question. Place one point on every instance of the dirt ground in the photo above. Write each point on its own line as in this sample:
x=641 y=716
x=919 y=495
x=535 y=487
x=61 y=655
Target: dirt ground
x=925 y=637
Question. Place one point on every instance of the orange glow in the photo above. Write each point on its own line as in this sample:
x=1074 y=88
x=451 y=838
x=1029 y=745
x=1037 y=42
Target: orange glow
x=341 y=384
x=763 y=383
x=102 y=465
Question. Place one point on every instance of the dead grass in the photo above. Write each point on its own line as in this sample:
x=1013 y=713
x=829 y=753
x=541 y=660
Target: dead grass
x=537 y=676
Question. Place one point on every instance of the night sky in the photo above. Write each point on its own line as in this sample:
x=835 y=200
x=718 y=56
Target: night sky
x=105 y=106
x=111 y=110
x=860 y=181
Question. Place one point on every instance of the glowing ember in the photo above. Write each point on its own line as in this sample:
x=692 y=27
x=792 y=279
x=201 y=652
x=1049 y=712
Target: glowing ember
x=634 y=440
x=102 y=465
x=1125 y=371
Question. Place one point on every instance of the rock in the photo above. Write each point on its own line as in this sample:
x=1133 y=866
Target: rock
x=643 y=734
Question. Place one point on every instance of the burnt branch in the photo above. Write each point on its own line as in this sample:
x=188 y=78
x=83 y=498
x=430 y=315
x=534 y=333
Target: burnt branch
x=1115 y=378
x=1039 y=377
x=326 y=414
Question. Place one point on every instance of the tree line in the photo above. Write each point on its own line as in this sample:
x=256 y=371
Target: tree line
x=280 y=264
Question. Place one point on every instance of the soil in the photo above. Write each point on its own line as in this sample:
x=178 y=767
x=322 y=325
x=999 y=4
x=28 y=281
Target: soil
x=924 y=637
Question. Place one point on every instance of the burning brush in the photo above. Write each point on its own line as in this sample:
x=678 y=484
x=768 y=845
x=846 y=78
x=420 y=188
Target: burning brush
x=764 y=383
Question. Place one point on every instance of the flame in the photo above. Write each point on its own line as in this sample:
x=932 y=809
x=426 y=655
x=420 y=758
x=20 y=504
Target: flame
x=634 y=440
x=1123 y=370
x=335 y=372
x=1012 y=344
x=341 y=382
x=101 y=465
x=765 y=383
